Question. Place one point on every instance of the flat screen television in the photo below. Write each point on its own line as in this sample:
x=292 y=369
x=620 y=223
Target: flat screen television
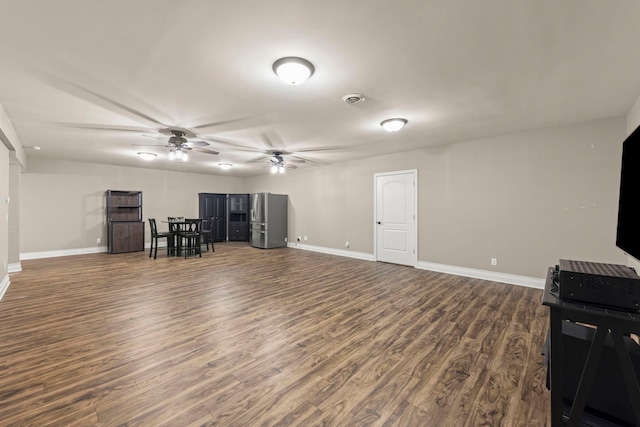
x=628 y=231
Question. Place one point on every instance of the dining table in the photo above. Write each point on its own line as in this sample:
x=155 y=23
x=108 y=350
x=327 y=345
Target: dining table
x=175 y=227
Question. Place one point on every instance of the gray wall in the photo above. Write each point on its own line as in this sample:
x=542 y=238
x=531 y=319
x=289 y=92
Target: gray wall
x=527 y=199
x=62 y=204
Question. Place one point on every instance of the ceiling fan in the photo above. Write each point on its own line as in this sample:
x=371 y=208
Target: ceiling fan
x=277 y=157
x=278 y=163
x=179 y=144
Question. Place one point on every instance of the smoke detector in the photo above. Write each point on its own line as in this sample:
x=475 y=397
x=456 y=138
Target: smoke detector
x=353 y=98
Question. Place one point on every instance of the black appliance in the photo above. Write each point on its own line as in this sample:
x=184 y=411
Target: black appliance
x=612 y=285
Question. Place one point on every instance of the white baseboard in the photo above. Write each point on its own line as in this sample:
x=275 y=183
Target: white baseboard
x=4 y=285
x=512 y=279
x=63 y=252
x=14 y=267
x=79 y=251
x=331 y=251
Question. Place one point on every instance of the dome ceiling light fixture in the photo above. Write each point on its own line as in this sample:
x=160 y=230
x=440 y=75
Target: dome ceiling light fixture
x=225 y=166
x=293 y=70
x=393 y=125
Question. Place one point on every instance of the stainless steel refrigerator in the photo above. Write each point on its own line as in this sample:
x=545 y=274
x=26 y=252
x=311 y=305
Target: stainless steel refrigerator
x=268 y=220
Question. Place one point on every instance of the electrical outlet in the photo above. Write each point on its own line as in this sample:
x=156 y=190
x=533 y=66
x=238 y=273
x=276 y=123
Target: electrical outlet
x=346 y=245
x=305 y=237
x=494 y=261
x=98 y=240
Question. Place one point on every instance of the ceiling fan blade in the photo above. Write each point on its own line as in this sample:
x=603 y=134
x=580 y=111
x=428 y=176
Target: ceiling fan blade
x=308 y=160
x=157 y=138
x=258 y=159
x=219 y=123
x=204 y=150
x=116 y=128
x=118 y=105
x=197 y=144
x=266 y=140
x=307 y=150
x=244 y=150
x=222 y=141
x=295 y=159
x=95 y=97
x=151 y=145
x=290 y=166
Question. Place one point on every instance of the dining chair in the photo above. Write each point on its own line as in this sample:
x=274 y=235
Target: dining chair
x=176 y=225
x=207 y=233
x=155 y=235
x=190 y=237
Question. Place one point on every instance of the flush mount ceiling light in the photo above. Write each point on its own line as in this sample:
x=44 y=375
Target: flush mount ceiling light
x=293 y=70
x=393 y=125
x=225 y=166
x=147 y=156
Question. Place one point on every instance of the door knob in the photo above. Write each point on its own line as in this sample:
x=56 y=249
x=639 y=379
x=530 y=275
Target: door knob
x=379 y=223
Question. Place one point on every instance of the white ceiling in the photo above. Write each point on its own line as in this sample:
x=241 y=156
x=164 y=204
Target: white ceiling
x=87 y=79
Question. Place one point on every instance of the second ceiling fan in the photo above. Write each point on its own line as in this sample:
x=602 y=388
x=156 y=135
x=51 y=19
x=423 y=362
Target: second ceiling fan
x=278 y=163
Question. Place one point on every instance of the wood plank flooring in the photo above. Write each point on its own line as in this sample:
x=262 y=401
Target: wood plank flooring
x=252 y=337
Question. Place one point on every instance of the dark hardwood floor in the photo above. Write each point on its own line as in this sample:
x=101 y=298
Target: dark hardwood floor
x=253 y=337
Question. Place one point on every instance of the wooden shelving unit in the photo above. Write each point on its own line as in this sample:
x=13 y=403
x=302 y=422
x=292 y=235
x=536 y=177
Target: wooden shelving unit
x=125 y=228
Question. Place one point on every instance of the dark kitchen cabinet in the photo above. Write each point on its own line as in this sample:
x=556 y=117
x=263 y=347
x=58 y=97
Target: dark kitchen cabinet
x=229 y=214
x=214 y=206
x=239 y=217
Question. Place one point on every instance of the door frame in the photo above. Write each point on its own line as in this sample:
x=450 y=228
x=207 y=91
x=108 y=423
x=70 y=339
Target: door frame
x=413 y=172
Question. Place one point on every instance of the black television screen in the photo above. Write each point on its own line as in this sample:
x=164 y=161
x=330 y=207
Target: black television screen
x=628 y=231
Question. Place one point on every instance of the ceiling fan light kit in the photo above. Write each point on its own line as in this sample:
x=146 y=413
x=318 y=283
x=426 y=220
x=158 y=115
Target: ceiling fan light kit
x=147 y=156
x=293 y=70
x=179 y=155
x=393 y=125
x=277 y=169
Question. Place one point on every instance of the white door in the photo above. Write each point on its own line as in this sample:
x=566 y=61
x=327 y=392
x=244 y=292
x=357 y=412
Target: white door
x=395 y=217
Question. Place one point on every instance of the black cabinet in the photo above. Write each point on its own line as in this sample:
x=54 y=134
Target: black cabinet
x=213 y=206
x=125 y=228
x=592 y=370
x=239 y=217
x=229 y=214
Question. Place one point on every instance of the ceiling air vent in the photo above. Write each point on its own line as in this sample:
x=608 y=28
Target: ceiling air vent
x=353 y=98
